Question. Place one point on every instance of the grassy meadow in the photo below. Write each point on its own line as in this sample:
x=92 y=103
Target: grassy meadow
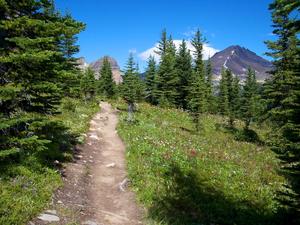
x=212 y=177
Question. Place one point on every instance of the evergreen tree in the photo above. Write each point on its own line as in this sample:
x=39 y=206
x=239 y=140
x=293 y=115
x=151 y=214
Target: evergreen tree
x=184 y=71
x=236 y=102
x=284 y=98
x=33 y=69
x=229 y=83
x=250 y=99
x=167 y=80
x=211 y=104
x=162 y=44
x=197 y=90
x=150 y=80
x=197 y=43
x=132 y=88
x=223 y=94
x=229 y=96
x=107 y=84
x=88 y=84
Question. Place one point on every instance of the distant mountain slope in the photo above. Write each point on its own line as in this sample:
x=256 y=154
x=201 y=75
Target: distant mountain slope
x=96 y=66
x=238 y=60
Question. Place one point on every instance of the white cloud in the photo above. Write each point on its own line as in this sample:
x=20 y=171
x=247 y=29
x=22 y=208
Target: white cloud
x=208 y=51
x=190 y=32
x=132 y=51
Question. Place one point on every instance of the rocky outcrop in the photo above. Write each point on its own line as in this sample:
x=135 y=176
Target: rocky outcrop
x=96 y=66
x=82 y=64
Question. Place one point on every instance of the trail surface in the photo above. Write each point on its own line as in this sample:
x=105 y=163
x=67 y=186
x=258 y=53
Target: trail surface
x=95 y=190
x=110 y=201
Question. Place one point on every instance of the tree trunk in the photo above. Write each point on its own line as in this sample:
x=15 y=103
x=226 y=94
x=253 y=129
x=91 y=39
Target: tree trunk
x=130 y=112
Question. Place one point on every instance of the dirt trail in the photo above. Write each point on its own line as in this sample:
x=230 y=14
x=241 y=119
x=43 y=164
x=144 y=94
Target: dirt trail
x=110 y=202
x=95 y=190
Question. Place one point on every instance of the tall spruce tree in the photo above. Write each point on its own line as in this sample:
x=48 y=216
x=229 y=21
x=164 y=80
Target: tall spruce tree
x=232 y=94
x=162 y=44
x=150 y=80
x=250 y=99
x=88 y=84
x=236 y=102
x=167 y=78
x=197 y=90
x=185 y=74
x=132 y=87
x=283 y=91
x=106 y=82
x=229 y=96
x=211 y=104
x=223 y=100
x=33 y=66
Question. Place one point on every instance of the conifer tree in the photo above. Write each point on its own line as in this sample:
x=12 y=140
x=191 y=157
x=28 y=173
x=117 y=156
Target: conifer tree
x=229 y=96
x=162 y=44
x=184 y=71
x=223 y=94
x=33 y=69
x=211 y=104
x=197 y=90
x=132 y=88
x=229 y=83
x=167 y=80
x=236 y=101
x=107 y=84
x=284 y=98
x=88 y=84
x=250 y=99
x=150 y=80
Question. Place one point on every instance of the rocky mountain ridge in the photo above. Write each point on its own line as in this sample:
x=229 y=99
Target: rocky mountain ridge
x=238 y=59
x=96 y=67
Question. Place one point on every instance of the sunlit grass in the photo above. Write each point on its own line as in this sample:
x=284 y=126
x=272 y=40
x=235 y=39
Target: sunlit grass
x=184 y=177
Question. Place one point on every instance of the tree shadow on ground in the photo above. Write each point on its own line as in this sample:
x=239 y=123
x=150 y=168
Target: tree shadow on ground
x=190 y=201
x=62 y=144
x=246 y=135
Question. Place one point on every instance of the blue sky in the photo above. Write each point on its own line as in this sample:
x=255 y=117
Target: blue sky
x=116 y=27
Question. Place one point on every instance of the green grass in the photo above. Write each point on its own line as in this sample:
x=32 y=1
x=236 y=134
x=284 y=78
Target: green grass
x=26 y=187
x=78 y=115
x=183 y=177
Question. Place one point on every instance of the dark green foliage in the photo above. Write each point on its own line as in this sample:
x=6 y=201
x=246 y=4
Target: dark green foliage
x=150 y=81
x=250 y=99
x=223 y=94
x=107 y=86
x=37 y=44
x=229 y=96
x=162 y=44
x=197 y=102
x=132 y=87
x=167 y=80
x=211 y=100
x=185 y=74
x=197 y=43
x=236 y=101
x=283 y=91
x=88 y=84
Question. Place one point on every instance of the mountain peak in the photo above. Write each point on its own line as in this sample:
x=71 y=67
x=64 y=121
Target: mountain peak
x=96 y=66
x=238 y=59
